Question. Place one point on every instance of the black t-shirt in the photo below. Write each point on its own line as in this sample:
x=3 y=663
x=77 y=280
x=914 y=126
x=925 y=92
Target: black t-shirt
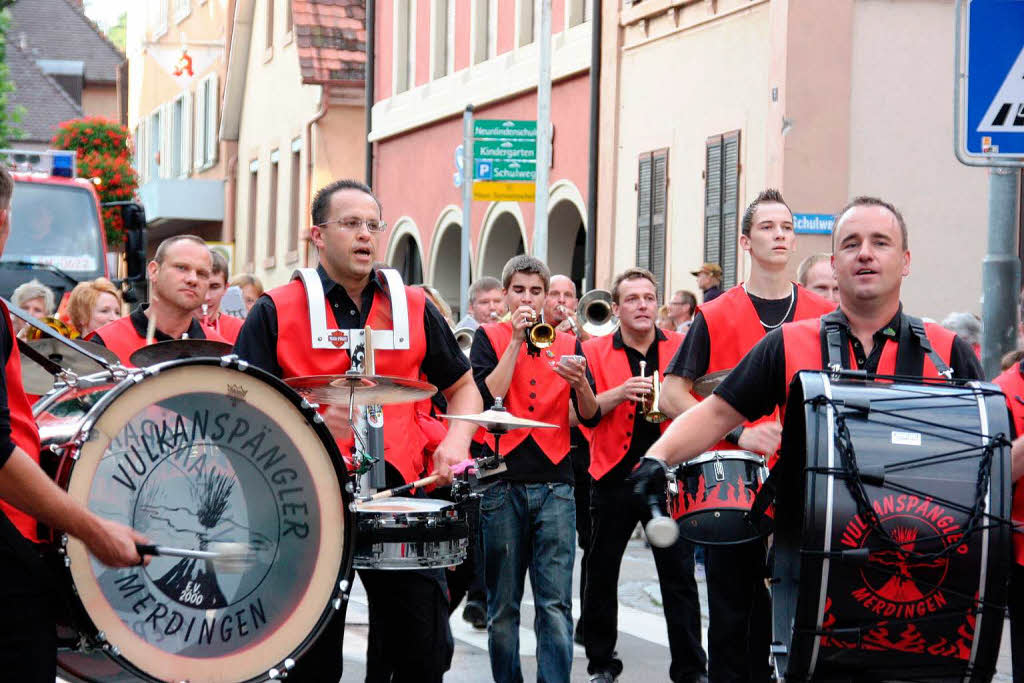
x=6 y=349
x=526 y=463
x=691 y=360
x=758 y=384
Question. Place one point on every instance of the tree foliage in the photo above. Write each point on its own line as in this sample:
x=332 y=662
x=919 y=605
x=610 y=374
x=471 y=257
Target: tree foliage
x=10 y=114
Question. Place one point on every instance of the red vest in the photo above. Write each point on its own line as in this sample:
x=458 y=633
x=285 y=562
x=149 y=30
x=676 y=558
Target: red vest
x=121 y=337
x=1012 y=384
x=226 y=326
x=734 y=329
x=536 y=393
x=403 y=439
x=611 y=437
x=24 y=432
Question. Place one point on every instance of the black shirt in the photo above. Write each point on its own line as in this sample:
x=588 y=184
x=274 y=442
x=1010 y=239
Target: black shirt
x=691 y=360
x=141 y=324
x=758 y=384
x=644 y=433
x=443 y=364
x=712 y=293
x=526 y=462
x=6 y=349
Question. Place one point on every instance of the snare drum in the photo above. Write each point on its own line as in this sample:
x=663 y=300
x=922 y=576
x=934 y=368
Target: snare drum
x=410 y=533
x=925 y=603
x=713 y=492
x=192 y=453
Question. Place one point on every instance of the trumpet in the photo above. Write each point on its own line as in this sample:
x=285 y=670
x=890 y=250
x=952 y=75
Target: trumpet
x=573 y=325
x=540 y=334
x=651 y=404
x=595 y=313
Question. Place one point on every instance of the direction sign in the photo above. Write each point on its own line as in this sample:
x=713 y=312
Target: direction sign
x=496 y=191
x=518 y=150
x=992 y=122
x=523 y=171
x=504 y=128
x=813 y=223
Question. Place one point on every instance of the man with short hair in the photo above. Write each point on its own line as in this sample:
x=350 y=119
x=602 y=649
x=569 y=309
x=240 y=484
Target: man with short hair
x=816 y=274
x=709 y=280
x=871 y=258
x=409 y=637
x=225 y=325
x=681 y=307
x=179 y=276
x=28 y=586
x=619 y=440
x=723 y=330
x=486 y=303
x=560 y=304
x=528 y=515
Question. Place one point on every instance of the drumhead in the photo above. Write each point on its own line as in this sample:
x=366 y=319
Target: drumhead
x=399 y=504
x=197 y=454
x=847 y=604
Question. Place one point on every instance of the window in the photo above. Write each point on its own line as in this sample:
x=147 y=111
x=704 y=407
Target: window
x=652 y=196
x=182 y=8
x=442 y=56
x=405 y=45
x=721 y=203
x=155 y=144
x=294 y=190
x=139 y=151
x=268 y=262
x=158 y=17
x=270 y=24
x=180 y=137
x=250 y=237
x=524 y=23
x=480 y=31
x=575 y=12
x=206 y=123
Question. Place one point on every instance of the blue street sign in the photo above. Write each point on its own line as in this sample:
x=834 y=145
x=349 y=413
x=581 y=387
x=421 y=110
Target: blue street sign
x=993 y=123
x=813 y=223
x=483 y=169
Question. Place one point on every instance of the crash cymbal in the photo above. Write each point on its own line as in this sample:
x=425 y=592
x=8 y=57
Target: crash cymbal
x=500 y=421
x=38 y=381
x=178 y=349
x=705 y=386
x=361 y=390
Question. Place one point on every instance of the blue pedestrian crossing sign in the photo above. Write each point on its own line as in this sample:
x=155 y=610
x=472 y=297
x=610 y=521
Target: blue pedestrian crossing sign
x=991 y=120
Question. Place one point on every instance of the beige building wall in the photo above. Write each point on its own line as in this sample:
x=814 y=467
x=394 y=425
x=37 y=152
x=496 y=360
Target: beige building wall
x=100 y=100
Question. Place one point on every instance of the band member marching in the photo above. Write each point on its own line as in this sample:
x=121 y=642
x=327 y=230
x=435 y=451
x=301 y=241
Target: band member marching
x=869 y=332
x=227 y=326
x=619 y=440
x=739 y=629
x=28 y=646
x=409 y=637
x=528 y=517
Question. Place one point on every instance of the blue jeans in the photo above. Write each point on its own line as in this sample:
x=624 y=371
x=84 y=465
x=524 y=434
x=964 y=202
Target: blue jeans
x=529 y=526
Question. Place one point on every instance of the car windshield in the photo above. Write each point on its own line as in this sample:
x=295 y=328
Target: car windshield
x=55 y=225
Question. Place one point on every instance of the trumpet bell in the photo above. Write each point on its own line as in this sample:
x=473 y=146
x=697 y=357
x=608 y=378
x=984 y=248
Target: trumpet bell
x=595 y=312
x=542 y=335
x=464 y=338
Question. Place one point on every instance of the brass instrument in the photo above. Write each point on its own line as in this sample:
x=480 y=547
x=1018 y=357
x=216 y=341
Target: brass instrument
x=573 y=325
x=464 y=338
x=30 y=333
x=540 y=334
x=595 y=313
x=651 y=405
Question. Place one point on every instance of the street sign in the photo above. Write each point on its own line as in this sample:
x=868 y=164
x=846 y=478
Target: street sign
x=991 y=120
x=457 y=177
x=504 y=128
x=813 y=223
x=522 y=171
x=497 y=191
x=519 y=150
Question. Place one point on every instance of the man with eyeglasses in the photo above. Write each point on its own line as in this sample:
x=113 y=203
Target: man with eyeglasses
x=681 y=308
x=409 y=637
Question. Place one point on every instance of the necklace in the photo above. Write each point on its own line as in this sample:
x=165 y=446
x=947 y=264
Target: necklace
x=767 y=327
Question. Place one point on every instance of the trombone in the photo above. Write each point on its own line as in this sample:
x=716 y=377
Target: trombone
x=651 y=404
x=464 y=338
x=595 y=313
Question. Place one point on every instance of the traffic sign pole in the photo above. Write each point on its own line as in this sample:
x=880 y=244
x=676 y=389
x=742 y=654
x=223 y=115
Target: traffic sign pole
x=1000 y=274
x=467 y=208
x=540 y=221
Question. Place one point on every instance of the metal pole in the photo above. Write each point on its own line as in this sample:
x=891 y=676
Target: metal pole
x=1001 y=270
x=590 y=260
x=540 y=221
x=371 y=69
x=467 y=208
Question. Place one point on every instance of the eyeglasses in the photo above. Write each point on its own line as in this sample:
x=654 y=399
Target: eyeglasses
x=676 y=303
x=353 y=224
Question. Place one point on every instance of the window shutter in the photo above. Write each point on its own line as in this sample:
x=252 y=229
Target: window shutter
x=659 y=207
x=186 y=134
x=730 y=206
x=140 y=151
x=643 y=213
x=212 y=107
x=201 y=129
x=166 y=136
x=713 y=199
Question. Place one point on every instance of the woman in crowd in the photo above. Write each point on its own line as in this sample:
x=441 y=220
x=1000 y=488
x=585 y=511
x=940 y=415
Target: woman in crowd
x=34 y=298
x=93 y=304
x=251 y=288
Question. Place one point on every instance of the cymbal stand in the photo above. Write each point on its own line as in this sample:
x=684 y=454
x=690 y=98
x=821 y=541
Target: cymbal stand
x=493 y=464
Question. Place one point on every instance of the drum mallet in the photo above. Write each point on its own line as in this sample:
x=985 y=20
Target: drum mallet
x=425 y=481
x=661 y=531
x=227 y=557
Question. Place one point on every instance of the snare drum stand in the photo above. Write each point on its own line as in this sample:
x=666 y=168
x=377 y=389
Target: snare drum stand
x=493 y=464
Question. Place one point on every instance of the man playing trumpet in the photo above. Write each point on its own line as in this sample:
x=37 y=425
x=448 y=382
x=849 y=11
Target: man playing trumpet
x=623 y=364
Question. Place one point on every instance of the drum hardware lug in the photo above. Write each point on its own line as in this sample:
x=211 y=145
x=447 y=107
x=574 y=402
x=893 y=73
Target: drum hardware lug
x=873 y=475
x=228 y=360
x=857 y=404
x=318 y=418
x=67 y=561
x=101 y=637
x=719 y=469
x=113 y=649
x=336 y=604
x=344 y=585
x=274 y=675
x=242 y=364
x=289 y=664
x=778 y=648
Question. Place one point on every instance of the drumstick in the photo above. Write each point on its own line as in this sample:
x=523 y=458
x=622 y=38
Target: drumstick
x=425 y=481
x=227 y=557
x=661 y=531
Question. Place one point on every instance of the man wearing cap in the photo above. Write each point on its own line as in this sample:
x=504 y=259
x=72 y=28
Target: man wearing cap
x=709 y=279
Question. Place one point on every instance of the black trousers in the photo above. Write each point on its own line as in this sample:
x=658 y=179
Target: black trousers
x=410 y=639
x=614 y=513
x=467 y=578
x=324 y=660
x=580 y=455
x=28 y=628
x=739 y=607
x=1016 y=605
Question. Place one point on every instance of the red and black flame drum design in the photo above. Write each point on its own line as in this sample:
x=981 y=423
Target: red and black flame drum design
x=909 y=583
x=711 y=495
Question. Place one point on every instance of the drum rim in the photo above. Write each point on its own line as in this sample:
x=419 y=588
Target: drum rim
x=711 y=456
x=342 y=581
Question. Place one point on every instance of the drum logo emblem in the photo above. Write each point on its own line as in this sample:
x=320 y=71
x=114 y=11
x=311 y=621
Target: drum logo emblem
x=237 y=394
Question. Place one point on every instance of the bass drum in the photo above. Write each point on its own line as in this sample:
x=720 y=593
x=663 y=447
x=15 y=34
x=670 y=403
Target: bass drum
x=909 y=583
x=193 y=453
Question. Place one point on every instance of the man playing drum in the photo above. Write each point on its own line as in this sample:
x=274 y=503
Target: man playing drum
x=28 y=645
x=721 y=333
x=409 y=637
x=179 y=275
x=618 y=442
x=871 y=258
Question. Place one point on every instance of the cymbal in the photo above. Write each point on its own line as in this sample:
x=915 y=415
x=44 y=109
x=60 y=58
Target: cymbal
x=361 y=390
x=38 y=381
x=178 y=349
x=705 y=386
x=500 y=421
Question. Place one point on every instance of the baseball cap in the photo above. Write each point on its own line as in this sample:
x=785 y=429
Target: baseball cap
x=710 y=268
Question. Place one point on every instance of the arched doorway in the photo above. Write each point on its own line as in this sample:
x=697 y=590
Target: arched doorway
x=566 y=241
x=446 y=263
x=502 y=239
x=407 y=261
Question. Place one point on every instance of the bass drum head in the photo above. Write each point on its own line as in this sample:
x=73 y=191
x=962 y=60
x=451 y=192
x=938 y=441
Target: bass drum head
x=193 y=455
x=845 y=604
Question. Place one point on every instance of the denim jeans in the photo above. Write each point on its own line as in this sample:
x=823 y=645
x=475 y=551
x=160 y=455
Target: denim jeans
x=529 y=527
